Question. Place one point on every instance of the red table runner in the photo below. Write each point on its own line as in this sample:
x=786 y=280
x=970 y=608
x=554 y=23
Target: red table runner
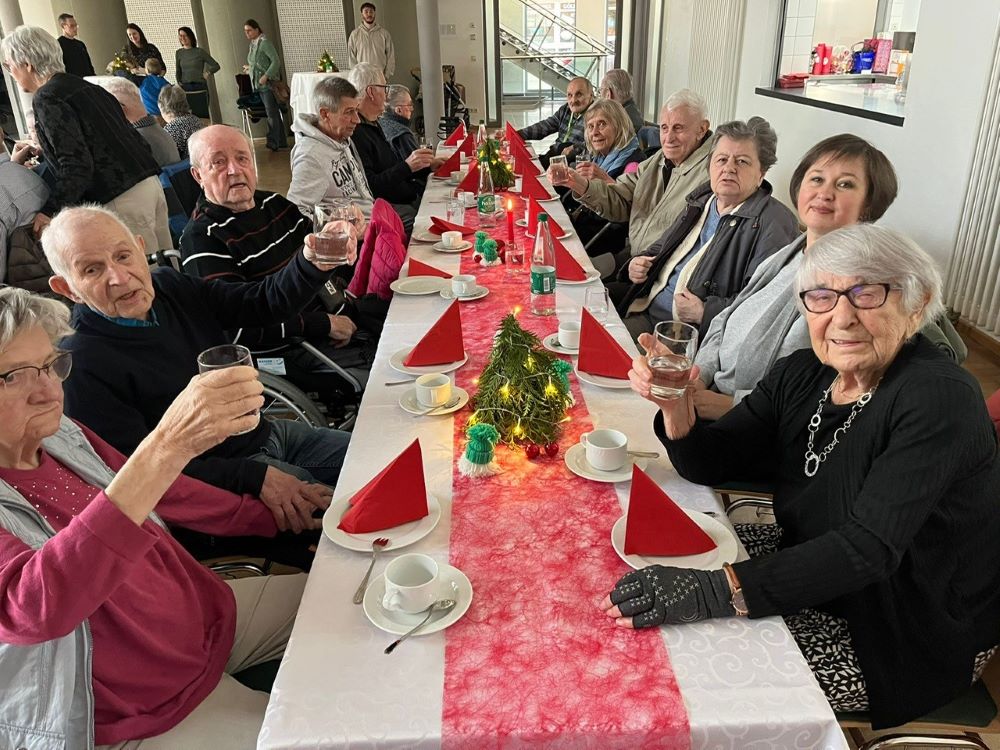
x=534 y=663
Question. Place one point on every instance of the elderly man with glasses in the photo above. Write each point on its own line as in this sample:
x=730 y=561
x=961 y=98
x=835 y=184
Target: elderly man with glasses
x=617 y=86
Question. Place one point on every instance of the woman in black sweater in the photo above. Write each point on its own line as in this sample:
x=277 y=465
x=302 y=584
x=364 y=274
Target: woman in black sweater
x=884 y=559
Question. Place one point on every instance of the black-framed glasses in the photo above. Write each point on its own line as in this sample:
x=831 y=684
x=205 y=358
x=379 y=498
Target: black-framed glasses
x=862 y=296
x=378 y=86
x=25 y=377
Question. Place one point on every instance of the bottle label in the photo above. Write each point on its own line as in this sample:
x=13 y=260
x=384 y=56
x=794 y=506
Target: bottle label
x=543 y=281
x=486 y=204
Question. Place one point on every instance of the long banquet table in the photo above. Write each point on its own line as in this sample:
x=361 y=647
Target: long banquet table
x=744 y=683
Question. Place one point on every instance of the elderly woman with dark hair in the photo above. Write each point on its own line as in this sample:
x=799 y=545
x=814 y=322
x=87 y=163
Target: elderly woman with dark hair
x=730 y=224
x=181 y=123
x=884 y=559
x=95 y=594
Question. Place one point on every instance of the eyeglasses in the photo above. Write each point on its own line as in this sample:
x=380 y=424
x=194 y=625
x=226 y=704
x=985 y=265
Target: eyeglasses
x=862 y=297
x=379 y=86
x=24 y=378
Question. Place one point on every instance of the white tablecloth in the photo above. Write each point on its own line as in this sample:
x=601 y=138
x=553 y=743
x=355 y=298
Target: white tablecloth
x=301 y=97
x=745 y=683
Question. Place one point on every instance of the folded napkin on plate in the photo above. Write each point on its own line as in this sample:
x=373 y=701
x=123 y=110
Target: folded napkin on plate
x=452 y=164
x=534 y=208
x=468 y=146
x=600 y=354
x=396 y=495
x=532 y=188
x=442 y=344
x=512 y=135
x=440 y=226
x=656 y=526
x=416 y=268
x=456 y=135
x=470 y=182
x=567 y=267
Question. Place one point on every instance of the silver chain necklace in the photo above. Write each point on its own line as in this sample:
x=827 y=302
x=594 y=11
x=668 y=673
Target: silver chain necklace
x=813 y=460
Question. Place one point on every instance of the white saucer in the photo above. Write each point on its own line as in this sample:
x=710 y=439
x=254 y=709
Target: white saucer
x=416 y=285
x=408 y=402
x=424 y=235
x=521 y=223
x=454 y=585
x=725 y=551
x=576 y=461
x=566 y=233
x=600 y=380
x=592 y=275
x=400 y=536
x=460 y=247
x=480 y=292
x=442 y=179
x=551 y=342
x=396 y=362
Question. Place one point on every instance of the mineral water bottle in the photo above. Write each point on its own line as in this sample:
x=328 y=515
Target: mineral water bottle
x=481 y=137
x=543 y=270
x=486 y=201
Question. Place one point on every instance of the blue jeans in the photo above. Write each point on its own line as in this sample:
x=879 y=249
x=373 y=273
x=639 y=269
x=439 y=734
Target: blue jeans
x=276 y=137
x=312 y=454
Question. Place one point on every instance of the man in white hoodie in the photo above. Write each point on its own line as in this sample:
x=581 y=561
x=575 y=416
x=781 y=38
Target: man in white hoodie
x=325 y=164
x=371 y=43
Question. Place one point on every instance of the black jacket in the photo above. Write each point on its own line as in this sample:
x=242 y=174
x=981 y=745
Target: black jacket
x=96 y=153
x=388 y=176
x=759 y=227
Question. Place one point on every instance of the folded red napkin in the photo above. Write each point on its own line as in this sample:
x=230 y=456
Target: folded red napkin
x=532 y=188
x=416 y=268
x=567 y=267
x=468 y=146
x=442 y=344
x=396 y=495
x=440 y=226
x=656 y=526
x=452 y=164
x=456 y=135
x=512 y=135
x=600 y=354
x=534 y=208
x=523 y=163
x=471 y=181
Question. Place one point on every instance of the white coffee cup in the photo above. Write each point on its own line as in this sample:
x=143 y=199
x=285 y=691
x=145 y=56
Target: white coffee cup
x=433 y=389
x=469 y=198
x=411 y=583
x=463 y=159
x=451 y=239
x=569 y=335
x=463 y=285
x=607 y=450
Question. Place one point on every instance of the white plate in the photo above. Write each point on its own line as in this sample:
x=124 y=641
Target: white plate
x=408 y=402
x=562 y=236
x=442 y=179
x=600 y=380
x=396 y=362
x=592 y=275
x=454 y=585
x=551 y=342
x=424 y=235
x=521 y=223
x=725 y=551
x=480 y=292
x=576 y=461
x=418 y=285
x=461 y=247
x=400 y=536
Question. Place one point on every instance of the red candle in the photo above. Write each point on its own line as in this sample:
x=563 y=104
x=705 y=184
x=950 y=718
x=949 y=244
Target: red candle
x=510 y=220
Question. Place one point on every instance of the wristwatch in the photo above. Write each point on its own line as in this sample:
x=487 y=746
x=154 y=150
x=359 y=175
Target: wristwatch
x=738 y=601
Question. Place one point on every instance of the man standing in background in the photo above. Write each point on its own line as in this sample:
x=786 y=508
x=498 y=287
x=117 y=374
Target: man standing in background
x=371 y=43
x=75 y=55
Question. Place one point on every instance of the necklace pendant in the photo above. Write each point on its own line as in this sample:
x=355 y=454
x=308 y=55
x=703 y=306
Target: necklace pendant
x=812 y=464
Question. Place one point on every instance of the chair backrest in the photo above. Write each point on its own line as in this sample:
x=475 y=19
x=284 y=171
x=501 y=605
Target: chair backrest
x=649 y=137
x=243 y=84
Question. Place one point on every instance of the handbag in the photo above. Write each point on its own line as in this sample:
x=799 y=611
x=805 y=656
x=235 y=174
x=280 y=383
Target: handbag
x=281 y=91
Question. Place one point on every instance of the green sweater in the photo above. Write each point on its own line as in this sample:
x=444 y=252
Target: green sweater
x=263 y=60
x=192 y=63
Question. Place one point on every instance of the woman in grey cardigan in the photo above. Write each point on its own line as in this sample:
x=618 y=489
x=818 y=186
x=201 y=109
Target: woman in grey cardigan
x=194 y=66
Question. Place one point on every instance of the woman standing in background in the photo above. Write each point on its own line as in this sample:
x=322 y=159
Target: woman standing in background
x=194 y=66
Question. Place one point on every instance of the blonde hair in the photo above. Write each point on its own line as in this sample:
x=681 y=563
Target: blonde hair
x=616 y=115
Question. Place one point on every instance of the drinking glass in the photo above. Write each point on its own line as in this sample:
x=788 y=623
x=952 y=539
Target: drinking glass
x=557 y=164
x=332 y=245
x=456 y=208
x=671 y=358
x=597 y=304
x=514 y=256
x=223 y=356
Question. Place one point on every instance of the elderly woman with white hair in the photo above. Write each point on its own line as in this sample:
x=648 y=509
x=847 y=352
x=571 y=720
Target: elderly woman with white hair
x=181 y=123
x=883 y=559
x=96 y=596
x=83 y=134
x=395 y=121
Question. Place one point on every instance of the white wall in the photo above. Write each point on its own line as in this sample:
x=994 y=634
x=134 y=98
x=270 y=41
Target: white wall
x=932 y=151
x=465 y=52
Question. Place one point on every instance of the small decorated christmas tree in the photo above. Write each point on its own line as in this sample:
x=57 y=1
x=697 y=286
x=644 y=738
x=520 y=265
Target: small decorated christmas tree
x=120 y=62
x=501 y=172
x=325 y=64
x=522 y=391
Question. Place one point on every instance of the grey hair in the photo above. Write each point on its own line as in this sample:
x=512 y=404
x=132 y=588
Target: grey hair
x=58 y=238
x=364 y=75
x=121 y=89
x=397 y=94
x=875 y=255
x=590 y=86
x=197 y=146
x=620 y=83
x=688 y=99
x=34 y=46
x=21 y=310
x=329 y=91
x=173 y=101
x=756 y=129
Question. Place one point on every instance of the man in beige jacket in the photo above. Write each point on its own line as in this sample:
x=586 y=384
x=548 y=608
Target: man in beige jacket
x=371 y=43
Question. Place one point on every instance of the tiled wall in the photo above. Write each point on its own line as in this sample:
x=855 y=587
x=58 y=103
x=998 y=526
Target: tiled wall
x=797 y=40
x=159 y=22
x=308 y=27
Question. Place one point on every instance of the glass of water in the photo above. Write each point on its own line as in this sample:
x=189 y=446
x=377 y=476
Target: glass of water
x=671 y=358
x=558 y=168
x=223 y=356
x=514 y=256
x=331 y=245
x=456 y=208
x=597 y=304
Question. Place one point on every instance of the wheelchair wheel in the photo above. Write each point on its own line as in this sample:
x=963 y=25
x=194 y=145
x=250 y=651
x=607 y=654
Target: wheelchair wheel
x=286 y=401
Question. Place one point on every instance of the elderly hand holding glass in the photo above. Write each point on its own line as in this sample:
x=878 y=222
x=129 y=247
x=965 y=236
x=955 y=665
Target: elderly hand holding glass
x=666 y=376
x=335 y=243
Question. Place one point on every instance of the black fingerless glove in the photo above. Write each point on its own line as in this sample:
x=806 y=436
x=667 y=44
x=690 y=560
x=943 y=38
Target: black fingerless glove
x=657 y=594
